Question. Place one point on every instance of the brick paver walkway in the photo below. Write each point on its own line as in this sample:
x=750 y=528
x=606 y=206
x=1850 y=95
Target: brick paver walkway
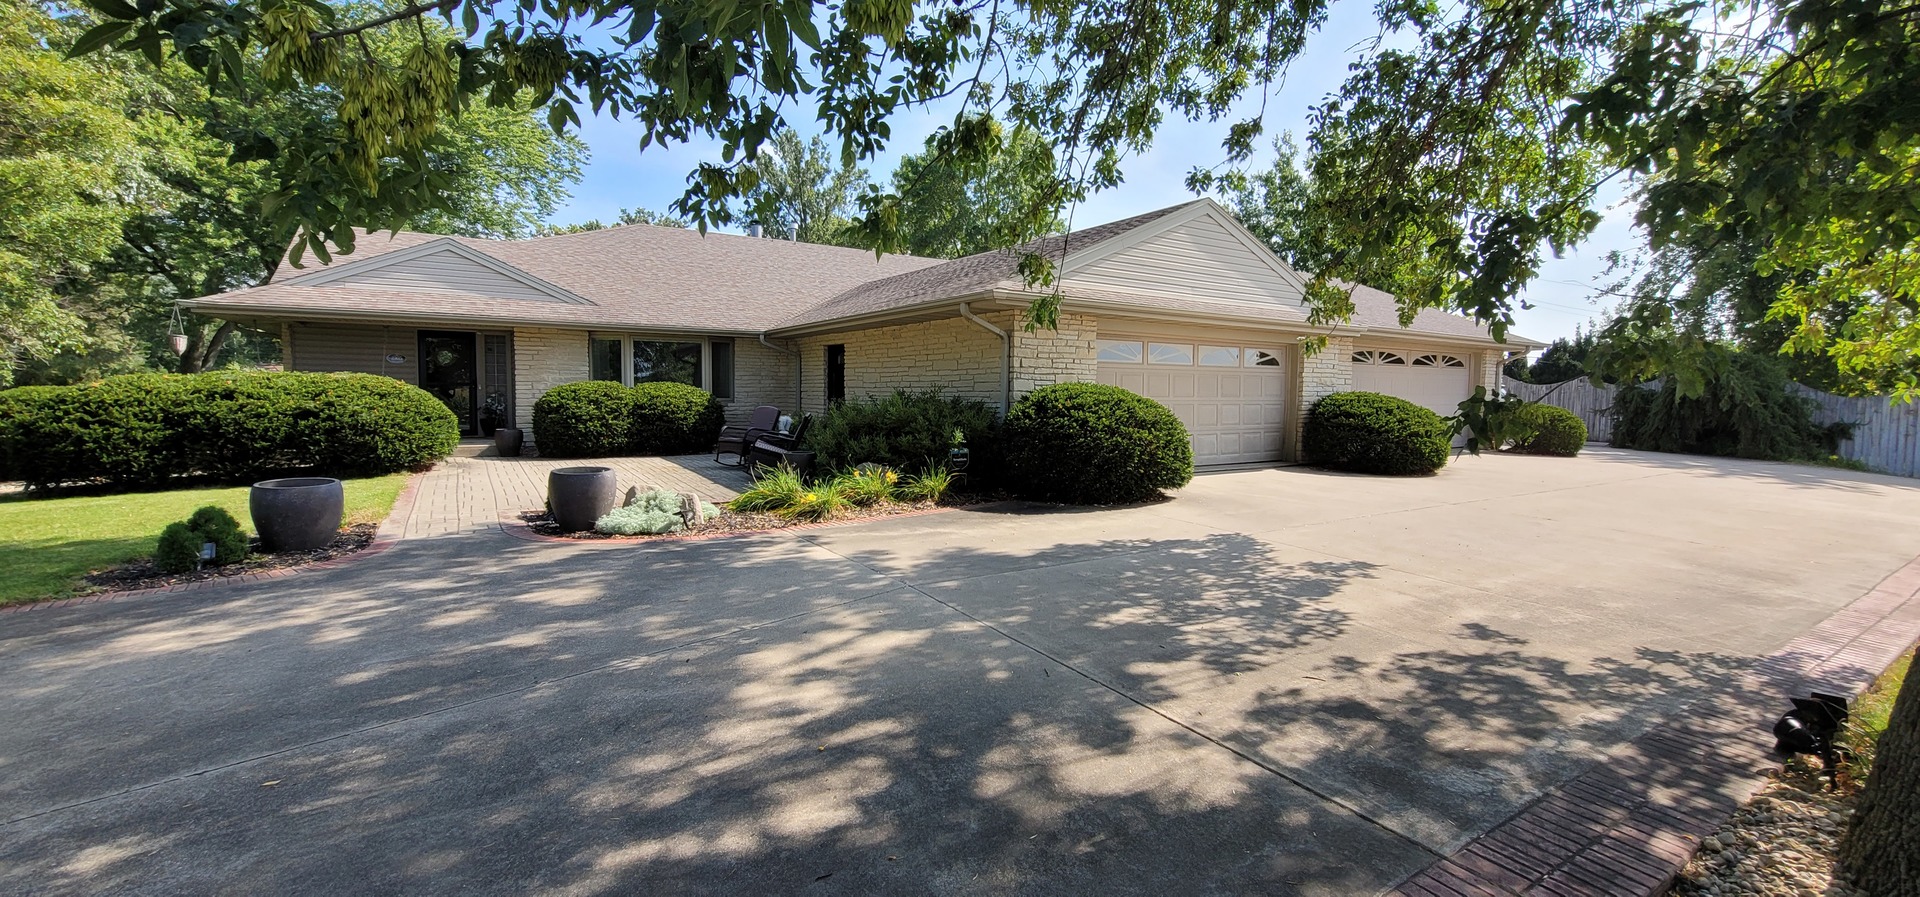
x=469 y=494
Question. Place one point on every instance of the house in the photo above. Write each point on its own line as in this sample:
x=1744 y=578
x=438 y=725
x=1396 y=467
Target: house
x=1182 y=305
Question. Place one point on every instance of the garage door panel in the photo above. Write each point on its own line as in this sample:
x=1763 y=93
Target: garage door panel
x=1234 y=414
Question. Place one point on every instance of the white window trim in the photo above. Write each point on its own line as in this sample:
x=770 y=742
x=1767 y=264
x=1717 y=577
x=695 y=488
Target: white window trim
x=706 y=355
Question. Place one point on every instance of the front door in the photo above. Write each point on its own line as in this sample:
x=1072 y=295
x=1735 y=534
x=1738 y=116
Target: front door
x=836 y=374
x=449 y=371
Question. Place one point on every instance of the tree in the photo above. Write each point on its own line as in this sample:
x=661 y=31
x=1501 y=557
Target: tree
x=949 y=208
x=1881 y=851
x=798 y=193
x=627 y=216
x=1273 y=205
x=69 y=166
x=1565 y=359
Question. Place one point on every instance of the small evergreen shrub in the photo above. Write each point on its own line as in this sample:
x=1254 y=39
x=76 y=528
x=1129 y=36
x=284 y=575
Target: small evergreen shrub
x=1086 y=443
x=1367 y=432
x=1549 y=430
x=906 y=431
x=145 y=429
x=214 y=524
x=588 y=419
x=178 y=550
x=674 y=419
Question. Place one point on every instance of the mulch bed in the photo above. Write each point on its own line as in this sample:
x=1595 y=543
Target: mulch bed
x=736 y=522
x=1781 y=843
x=144 y=575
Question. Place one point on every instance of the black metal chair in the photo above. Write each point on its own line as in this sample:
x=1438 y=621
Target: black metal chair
x=761 y=422
x=782 y=448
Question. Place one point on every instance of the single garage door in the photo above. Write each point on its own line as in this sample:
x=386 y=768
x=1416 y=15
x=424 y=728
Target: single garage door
x=1433 y=380
x=1233 y=398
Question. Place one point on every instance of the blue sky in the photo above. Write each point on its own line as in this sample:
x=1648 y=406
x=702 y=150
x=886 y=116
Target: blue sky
x=620 y=175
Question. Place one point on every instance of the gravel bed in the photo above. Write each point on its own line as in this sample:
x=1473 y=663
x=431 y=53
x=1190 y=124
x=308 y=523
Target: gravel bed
x=1781 y=844
x=144 y=575
x=732 y=522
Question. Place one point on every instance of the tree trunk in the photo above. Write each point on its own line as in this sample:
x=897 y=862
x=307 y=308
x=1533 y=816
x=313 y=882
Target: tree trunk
x=201 y=352
x=1881 y=854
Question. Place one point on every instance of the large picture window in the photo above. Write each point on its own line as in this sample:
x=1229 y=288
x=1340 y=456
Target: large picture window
x=605 y=363
x=663 y=362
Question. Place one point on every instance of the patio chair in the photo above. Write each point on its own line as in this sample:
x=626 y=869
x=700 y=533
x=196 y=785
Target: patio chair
x=776 y=449
x=762 y=421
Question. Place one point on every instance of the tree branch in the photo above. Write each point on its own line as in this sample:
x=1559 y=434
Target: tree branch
x=409 y=12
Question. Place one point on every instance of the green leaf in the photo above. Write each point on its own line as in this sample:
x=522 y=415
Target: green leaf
x=114 y=9
x=98 y=36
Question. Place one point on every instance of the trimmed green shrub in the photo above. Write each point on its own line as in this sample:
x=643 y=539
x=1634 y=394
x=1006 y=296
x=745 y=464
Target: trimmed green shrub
x=674 y=419
x=145 y=429
x=1367 y=432
x=1742 y=410
x=592 y=418
x=906 y=431
x=1090 y=444
x=600 y=418
x=1549 y=430
x=178 y=550
x=213 y=524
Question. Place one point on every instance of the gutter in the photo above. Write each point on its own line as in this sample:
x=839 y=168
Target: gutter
x=799 y=375
x=1006 y=357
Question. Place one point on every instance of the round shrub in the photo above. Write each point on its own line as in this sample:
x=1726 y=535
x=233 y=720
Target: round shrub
x=907 y=431
x=145 y=429
x=1367 y=432
x=1091 y=444
x=213 y=524
x=1552 y=431
x=178 y=550
x=673 y=419
x=592 y=418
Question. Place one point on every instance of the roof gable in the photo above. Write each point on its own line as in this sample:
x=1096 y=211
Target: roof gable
x=443 y=265
x=1198 y=252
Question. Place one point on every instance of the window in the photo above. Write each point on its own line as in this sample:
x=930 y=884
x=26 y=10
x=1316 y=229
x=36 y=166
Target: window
x=836 y=373
x=1124 y=351
x=1169 y=353
x=1261 y=358
x=1220 y=356
x=606 y=358
x=722 y=351
x=1376 y=356
x=663 y=362
x=1438 y=361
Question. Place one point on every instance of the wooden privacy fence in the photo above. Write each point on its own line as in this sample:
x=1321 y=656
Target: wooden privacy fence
x=1886 y=436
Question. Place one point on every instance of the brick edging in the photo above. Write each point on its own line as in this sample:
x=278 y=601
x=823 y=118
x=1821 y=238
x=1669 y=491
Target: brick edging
x=1629 y=824
x=384 y=537
x=518 y=529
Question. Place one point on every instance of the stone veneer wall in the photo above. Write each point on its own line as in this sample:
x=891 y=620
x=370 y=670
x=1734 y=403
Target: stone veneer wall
x=1047 y=356
x=1328 y=371
x=544 y=358
x=953 y=355
x=761 y=376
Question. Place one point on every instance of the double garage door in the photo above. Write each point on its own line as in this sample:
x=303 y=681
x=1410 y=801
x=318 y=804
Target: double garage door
x=1232 y=394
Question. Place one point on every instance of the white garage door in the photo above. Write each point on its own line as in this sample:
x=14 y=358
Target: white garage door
x=1233 y=398
x=1433 y=380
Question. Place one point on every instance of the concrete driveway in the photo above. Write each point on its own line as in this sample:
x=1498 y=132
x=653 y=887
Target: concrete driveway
x=1282 y=681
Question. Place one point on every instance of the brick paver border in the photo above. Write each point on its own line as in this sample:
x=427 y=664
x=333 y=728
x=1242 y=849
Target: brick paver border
x=517 y=528
x=1627 y=826
x=388 y=533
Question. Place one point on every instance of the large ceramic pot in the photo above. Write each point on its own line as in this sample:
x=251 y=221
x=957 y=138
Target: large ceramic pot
x=506 y=441
x=577 y=497
x=297 y=514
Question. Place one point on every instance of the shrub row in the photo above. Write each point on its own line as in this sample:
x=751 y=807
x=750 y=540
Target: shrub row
x=905 y=431
x=145 y=429
x=597 y=418
x=1549 y=430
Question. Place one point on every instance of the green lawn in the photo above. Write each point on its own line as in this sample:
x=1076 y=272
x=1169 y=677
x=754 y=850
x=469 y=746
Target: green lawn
x=51 y=543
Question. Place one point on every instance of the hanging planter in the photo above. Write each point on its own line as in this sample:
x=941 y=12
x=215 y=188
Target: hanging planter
x=177 y=333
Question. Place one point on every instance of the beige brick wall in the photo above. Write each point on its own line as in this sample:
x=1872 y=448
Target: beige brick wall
x=543 y=359
x=1324 y=373
x=1053 y=355
x=953 y=355
x=1487 y=369
x=761 y=376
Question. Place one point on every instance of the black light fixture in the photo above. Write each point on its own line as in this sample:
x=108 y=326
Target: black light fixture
x=1811 y=727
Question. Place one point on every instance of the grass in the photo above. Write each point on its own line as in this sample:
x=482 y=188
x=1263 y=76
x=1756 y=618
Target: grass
x=1867 y=717
x=51 y=544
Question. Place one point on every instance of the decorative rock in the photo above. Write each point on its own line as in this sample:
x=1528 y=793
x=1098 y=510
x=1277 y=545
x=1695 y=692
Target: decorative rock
x=690 y=509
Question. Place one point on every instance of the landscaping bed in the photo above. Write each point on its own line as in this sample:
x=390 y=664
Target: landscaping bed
x=743 y=521
x=144 y=574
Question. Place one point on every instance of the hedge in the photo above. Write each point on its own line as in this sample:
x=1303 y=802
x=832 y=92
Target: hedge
x=598 y=418
x=905 y=431
x=146 y=429
x=1087 y=443
x=1367 y=432
x=1550 y=430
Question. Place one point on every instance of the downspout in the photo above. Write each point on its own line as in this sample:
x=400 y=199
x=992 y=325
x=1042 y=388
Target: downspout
x=799 y=371
x=1006 y=357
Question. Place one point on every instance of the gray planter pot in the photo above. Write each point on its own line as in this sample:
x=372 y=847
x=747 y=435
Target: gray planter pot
x=507 y=440
x=297 y=514
x=579 y=496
